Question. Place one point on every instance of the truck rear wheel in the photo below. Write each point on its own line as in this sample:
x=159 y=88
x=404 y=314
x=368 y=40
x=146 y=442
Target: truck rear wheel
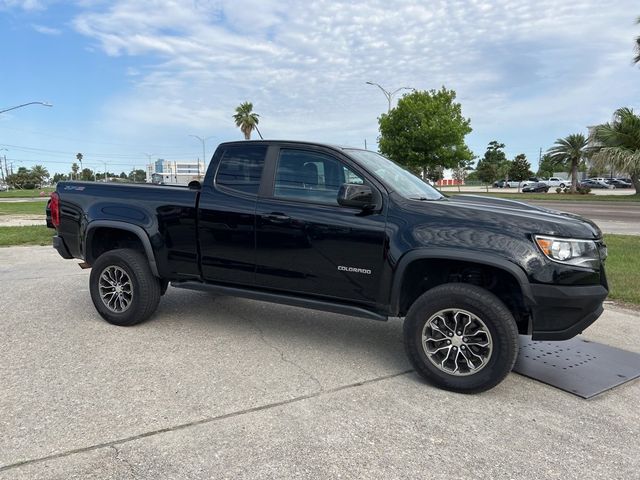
x=123 y=289
x=461 y=337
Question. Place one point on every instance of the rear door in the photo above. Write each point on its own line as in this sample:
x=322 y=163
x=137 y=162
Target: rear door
x=309 y=244
x=227 y=214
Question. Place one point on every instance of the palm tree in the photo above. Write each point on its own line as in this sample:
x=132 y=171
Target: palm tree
x=246 y=119
x=74 y=169
x=570 y=151
x=40 y=173
x=618 y=144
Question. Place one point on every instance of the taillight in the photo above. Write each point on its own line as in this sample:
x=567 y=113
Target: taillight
x=54 y=207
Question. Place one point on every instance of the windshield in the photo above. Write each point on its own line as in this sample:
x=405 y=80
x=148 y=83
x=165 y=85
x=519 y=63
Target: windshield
x=397 y=178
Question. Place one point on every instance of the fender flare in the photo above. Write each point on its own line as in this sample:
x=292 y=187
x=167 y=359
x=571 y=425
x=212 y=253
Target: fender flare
x=129 y=227
x=455 y=254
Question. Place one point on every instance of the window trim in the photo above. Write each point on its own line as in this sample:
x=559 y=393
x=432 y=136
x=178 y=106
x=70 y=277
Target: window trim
x=273 y=159
x=231 y=190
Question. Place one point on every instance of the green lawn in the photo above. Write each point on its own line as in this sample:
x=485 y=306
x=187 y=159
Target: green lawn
x=22 y=208
x=623 y=267
x=25 y=193
x=35 y=235
x=553 y=196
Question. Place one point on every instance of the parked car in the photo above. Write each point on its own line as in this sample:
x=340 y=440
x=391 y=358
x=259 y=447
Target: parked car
x=618 y=183
x=557 y=182
x=3 y=188
x=594 y=183
x=514 y=183
x=538 y=187
x=342 y=230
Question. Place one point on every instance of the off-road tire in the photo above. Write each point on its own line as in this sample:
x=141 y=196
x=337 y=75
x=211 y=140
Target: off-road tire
x=146 y=288
x=484 y=305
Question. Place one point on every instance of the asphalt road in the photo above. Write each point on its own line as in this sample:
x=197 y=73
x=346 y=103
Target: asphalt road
x=218 y=387
x=611 y=217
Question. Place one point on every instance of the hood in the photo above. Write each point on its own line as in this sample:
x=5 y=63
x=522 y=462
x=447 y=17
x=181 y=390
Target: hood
x=509 y=216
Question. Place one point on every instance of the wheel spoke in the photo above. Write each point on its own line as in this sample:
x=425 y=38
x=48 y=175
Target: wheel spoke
x=115 y=289
x=468 y=346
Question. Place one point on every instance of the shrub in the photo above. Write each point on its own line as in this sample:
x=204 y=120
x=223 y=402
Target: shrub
x=558 y=190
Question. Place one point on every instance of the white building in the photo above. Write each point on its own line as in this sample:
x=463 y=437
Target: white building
x=175 y=172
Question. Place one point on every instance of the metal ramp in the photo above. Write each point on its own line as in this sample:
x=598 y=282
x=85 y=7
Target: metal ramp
x=577 y=366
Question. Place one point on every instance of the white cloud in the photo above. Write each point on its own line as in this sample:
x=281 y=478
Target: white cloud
x=46 y=30
x=28 y=5
x=534 y=65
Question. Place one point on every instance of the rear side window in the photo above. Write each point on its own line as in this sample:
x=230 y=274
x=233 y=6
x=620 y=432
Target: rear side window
x=241 y=167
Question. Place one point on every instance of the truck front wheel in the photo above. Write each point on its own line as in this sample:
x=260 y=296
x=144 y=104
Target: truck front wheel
x=461 y=337
x=123 y=289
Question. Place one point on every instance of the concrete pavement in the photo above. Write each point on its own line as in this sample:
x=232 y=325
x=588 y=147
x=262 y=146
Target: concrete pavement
x=230 y=388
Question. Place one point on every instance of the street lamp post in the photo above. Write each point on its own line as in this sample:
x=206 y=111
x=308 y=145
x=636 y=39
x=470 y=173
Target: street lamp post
x=387 y=94
x=5 y=164
x=204 y=161
x=45 y=104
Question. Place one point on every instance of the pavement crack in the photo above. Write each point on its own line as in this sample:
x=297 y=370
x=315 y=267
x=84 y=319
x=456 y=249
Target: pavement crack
x=123 y=460
x=281 y=352
x=203 y=421
x=284 y=357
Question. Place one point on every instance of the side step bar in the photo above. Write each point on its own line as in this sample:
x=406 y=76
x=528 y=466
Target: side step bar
x=294 y=301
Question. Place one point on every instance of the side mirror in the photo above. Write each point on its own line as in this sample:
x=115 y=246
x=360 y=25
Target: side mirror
x=356 y=196
x=194 y=185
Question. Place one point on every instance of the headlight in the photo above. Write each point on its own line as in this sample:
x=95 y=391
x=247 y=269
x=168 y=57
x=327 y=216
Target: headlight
x=570 y=251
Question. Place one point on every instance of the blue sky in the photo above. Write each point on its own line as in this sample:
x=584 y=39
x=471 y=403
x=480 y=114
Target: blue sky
x=130 y=78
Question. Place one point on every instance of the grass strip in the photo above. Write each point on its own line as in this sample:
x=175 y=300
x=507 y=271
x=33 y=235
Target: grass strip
x=623 y=267
x=22 y=208
x=31 y=235
x=553 y=197
x=35 y=193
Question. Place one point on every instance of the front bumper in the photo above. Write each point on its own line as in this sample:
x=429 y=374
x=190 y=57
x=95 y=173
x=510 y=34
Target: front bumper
x=562 y=312
x=61 y=247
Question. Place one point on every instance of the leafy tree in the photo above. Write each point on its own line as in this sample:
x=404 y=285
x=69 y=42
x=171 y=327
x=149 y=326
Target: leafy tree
x=137 y=176
x=618 y=145
x=22 y=179
x=520 y=168
x=101 y=176
x=570 y=151
x=123 y=175
x=434 y=173
x=548 y=166
x=59 y=177
x=494 y=164
x=426 y=130
x=461 y=171
x=246 y=119
x=87 y=175
x=40 y=173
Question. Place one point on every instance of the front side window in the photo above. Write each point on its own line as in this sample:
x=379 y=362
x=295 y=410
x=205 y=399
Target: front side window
x=241 y=167
x=311 y=176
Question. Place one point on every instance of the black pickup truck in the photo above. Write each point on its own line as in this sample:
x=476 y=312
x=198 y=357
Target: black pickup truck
x=348 y=231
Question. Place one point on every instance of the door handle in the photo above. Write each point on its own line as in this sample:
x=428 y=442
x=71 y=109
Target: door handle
x=276 y=217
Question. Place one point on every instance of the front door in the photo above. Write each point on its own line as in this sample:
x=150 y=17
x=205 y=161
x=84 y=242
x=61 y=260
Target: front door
x=309 y=244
